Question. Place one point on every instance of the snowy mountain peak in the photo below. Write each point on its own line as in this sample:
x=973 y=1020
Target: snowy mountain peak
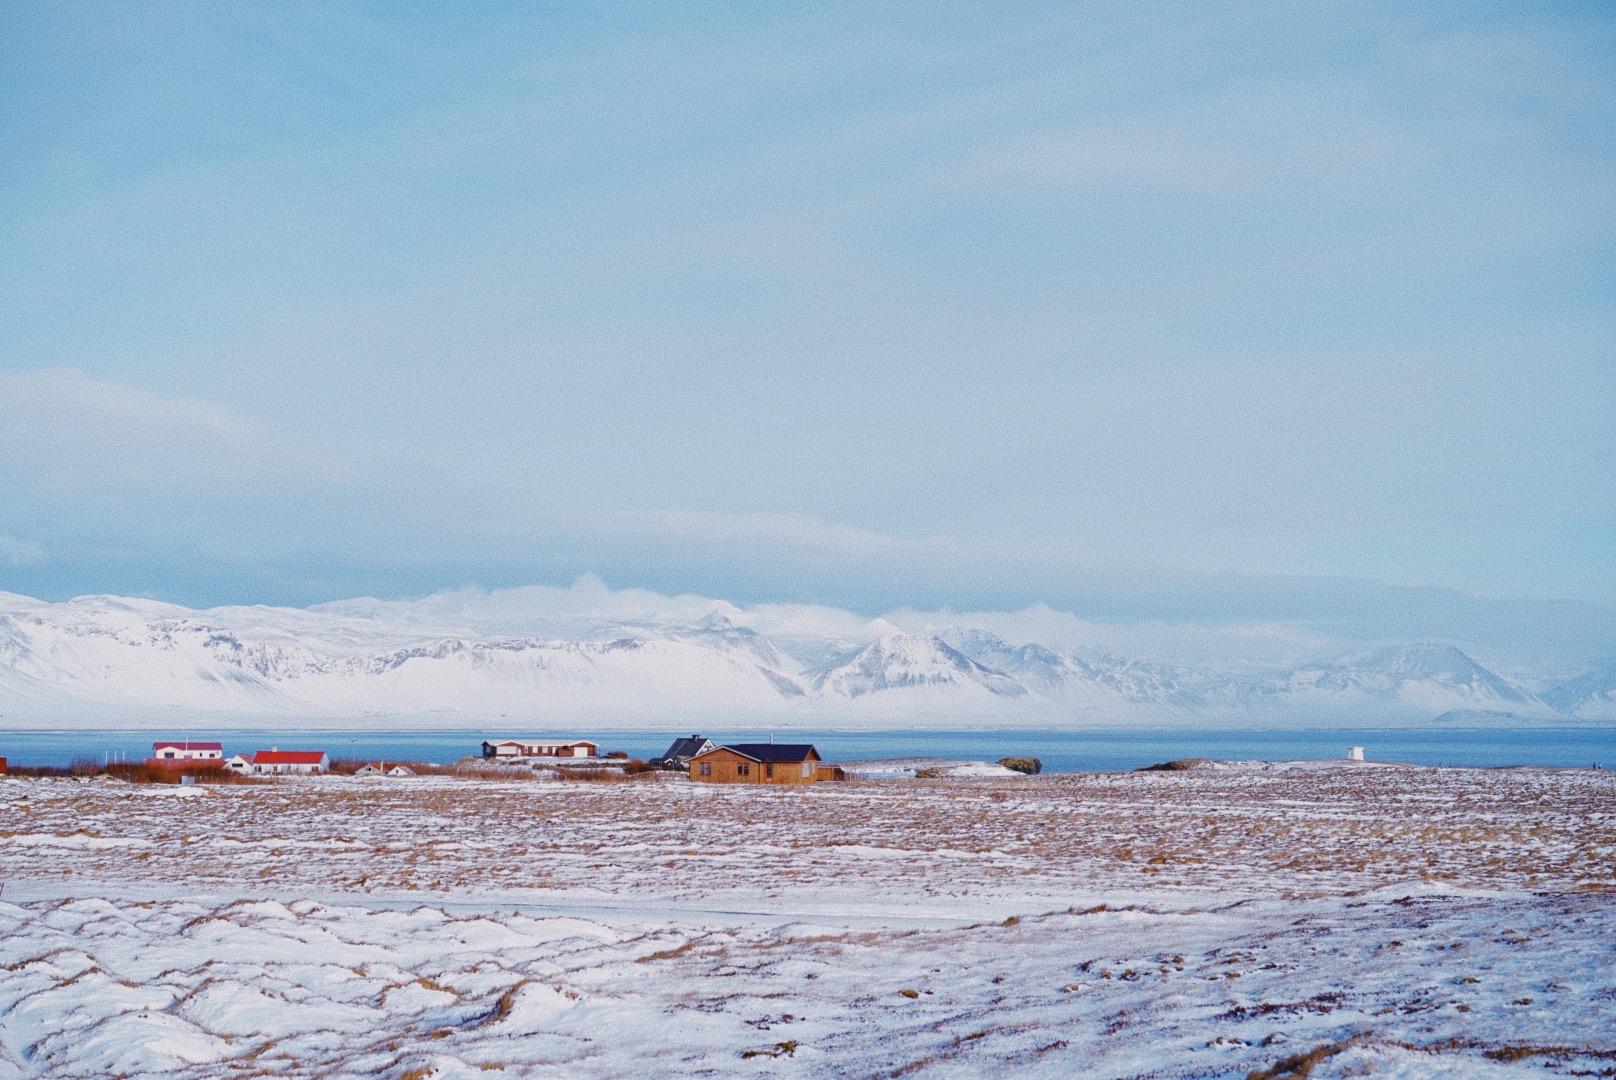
x=1591 y=695
x=1438 y=677
x=1442 y=665
x=910 y=660
x=1429 y=661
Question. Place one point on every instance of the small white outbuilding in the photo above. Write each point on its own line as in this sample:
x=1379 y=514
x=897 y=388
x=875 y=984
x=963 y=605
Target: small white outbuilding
x=1354 y=753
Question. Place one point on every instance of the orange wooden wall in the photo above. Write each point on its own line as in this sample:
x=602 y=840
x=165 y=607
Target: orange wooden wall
x=726 y=765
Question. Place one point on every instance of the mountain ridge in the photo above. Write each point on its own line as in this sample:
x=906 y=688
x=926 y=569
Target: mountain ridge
x=103 y=655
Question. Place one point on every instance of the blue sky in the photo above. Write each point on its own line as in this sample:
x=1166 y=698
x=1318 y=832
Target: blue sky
x=1201 y=310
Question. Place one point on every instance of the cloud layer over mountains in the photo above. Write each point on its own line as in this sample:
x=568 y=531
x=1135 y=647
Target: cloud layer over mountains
x=549 y=657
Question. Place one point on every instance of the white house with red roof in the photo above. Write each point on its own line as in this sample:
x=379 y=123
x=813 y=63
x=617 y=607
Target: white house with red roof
x=275 y=761
x=532 y=748
x=185 y=750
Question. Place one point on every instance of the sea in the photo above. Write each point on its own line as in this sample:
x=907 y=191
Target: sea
x=1091 y=750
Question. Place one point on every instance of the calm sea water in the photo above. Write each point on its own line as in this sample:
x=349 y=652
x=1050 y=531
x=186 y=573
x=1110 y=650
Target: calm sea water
x=1060 y=751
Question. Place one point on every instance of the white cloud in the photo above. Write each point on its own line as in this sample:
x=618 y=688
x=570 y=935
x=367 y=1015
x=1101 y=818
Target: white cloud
x=19 y=552
x=795 y=531
x=1250 y=642
x=66 y=431
x=588 y=604
x=537 y=608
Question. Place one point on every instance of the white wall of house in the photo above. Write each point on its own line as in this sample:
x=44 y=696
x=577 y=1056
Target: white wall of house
x=284 y=768
x=516 y=749
x=178 y=753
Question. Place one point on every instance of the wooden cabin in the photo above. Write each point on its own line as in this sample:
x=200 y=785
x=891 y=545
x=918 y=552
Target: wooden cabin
x=757 y=763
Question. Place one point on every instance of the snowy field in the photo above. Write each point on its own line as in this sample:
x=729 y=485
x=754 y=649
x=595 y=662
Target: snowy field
x=1268 y=920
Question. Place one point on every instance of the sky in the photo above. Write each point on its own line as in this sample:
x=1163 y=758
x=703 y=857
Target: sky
x=1197 y=311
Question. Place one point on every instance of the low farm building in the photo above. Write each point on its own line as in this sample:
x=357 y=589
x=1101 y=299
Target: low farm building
x=274 y=762
x=186 y=750
x=758 y=763
x=530 y=748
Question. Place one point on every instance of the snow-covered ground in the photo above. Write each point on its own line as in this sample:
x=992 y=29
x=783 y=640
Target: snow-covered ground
x=927 y=768
x=1207 y=922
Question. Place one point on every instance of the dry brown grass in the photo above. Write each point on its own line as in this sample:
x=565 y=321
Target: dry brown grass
x=1512 y=1052
x=667 y=954
x=1275 y=833
x=133 y=772
x=779 y=1049
x=502 y=1007
x=609 y=775
x=148 y=773
x=36 y=772
x=1301 y=1066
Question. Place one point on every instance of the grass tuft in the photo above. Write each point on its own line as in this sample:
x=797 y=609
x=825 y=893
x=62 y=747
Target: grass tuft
x=779 y=1049
x=1301 y=1066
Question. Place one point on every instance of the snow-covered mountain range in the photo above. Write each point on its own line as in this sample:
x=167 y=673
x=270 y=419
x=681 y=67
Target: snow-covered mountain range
x=556 y=657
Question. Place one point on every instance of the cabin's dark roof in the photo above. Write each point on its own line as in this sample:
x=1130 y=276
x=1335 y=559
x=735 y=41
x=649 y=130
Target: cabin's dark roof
x=773 y=751
x=684 y=748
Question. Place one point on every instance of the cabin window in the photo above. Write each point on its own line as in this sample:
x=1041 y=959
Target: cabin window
x=768 y=770
x=706 y=768
x=807 y=769
x=743 y=769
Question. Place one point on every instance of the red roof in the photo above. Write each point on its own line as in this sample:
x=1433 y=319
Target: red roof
x=288 y=757
x=156 y=746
